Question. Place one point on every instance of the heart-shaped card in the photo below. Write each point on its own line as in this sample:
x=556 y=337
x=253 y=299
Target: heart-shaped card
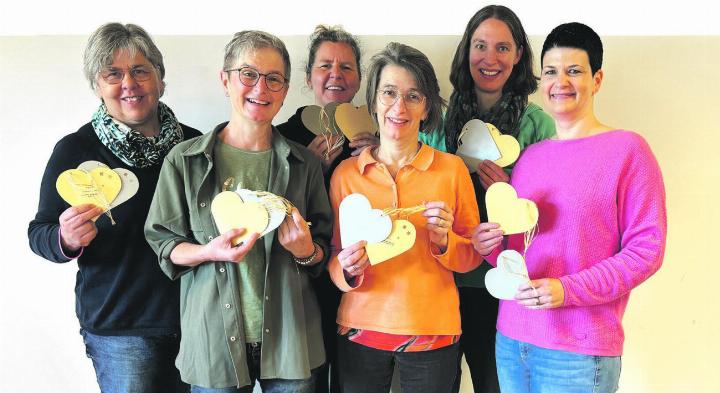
x=476 y=144
x=401 y=239
x=508 y=145
x=130 y=183
x=230 y=211
x=353 y=121
x=503 y=281
x=515 y=215
x=310 y=117
x=99 y=186
x=359 y=221
x=275 y=212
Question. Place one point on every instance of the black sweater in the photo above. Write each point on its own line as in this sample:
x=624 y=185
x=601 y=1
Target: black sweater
x=120 y=289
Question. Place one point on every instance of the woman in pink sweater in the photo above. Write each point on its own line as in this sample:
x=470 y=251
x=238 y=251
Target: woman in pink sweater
x=601 y=232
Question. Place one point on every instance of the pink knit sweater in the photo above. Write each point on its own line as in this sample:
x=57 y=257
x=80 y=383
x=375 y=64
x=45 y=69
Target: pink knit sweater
x=602 y=230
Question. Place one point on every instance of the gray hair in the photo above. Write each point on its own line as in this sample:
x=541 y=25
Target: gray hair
x=336 y=34
x=418 y=65
x=251 y=40
x=112 y=37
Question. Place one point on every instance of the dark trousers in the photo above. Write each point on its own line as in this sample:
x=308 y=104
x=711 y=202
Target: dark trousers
x=478 y=310
x=328 y=296
x=368 y=370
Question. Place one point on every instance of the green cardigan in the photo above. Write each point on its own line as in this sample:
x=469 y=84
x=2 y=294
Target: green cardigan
x=212 y=347
x=535 y=126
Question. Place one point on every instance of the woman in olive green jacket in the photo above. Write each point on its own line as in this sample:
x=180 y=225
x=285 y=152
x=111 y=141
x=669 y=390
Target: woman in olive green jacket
x=248 y=311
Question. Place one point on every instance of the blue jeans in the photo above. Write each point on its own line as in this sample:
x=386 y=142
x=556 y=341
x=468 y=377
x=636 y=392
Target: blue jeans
x=134 y=364
x=368 y=370
x=526 y=368
x=267 y=385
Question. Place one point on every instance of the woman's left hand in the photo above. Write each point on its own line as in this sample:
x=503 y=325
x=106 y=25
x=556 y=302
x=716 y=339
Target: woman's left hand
x=541 y=294
x=294 y=235
x=439 y=223
x=362 y=141
x=490 y=172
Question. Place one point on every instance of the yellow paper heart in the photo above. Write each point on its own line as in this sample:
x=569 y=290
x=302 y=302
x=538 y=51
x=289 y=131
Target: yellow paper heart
x=229 y=211
x=99 y=187
x=353 y=121
x=401 y=239
x=515 y=215
x=508 y=146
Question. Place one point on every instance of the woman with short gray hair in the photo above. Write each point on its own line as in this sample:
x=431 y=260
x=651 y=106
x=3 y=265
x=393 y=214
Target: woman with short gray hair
x=248 y=312
x=126 y=307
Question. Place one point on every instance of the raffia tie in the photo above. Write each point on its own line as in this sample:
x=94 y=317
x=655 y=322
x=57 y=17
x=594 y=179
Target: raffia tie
x=403 y=212
x=329 y=125
x=94 y=191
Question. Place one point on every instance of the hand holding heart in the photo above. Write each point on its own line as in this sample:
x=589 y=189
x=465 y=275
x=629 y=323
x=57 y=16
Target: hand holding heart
x=353 y=259
x=319 y=147
x=221 y=248
x=77 y=228
x=294 y=235
x=362 y=141
x=439 y=223
x=486 y=237
x=547 y=293
x=490 y=173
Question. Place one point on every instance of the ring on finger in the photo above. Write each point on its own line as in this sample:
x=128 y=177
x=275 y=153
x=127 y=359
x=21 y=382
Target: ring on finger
x=441 y=224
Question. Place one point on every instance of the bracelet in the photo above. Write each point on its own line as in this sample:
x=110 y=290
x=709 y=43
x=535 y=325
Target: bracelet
x=306 y=261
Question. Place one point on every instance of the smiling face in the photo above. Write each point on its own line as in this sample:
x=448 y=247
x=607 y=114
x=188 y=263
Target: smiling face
x=131 y=102
x=256 y=104
x=568 y=84
x=493 y=53
x=334 y=76
x=399 y=121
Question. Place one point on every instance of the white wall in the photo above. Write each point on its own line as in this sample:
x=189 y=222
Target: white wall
x=662 y=86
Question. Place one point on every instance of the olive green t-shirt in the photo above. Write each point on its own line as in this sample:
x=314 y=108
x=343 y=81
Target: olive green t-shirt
x=250 y=170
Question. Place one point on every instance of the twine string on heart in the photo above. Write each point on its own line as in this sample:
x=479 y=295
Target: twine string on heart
x=327 y=123
x=93 y=190
x=403 y=212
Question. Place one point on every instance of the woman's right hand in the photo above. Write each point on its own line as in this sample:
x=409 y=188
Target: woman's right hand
x=319 y=147
x=486 y=237
x=221 y=248
x=76 y=226
x=354 y=259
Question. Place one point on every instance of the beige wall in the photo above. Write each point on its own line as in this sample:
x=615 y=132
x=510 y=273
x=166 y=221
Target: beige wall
x=662 y=87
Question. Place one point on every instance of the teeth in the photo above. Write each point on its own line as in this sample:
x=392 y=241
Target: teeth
x=133 y=98
x=254 y=101
x=334 y=88
x=489 y=73
x=396 y=121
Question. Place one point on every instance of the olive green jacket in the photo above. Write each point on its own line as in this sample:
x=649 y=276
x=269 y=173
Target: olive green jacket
x=212 y=349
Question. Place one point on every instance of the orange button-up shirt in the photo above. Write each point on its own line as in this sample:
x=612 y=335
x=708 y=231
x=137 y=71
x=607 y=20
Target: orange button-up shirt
x=413 y=293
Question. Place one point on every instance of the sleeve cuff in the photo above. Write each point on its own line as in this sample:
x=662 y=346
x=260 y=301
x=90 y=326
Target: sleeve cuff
x=62 y=250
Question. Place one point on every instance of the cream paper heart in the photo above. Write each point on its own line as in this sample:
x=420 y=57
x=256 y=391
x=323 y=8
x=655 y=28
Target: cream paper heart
x=515 y=215
x=353 y=121
x=508 y=145
x=476 y=144
x=328 y=119
x=130 y=183
x=401 y=239
x=98 y=187
x=276 y=215
x=310 y=117
x=229 y=211
x=503 y=281
x=359 y=221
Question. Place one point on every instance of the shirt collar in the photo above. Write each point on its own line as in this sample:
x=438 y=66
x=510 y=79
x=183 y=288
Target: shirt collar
x=421 y=162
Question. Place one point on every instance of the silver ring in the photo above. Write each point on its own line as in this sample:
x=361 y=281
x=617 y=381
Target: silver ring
x=352 y=268
x=442 y=223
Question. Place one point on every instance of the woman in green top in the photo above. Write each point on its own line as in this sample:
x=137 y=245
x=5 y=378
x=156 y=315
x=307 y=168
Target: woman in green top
x=492 y=77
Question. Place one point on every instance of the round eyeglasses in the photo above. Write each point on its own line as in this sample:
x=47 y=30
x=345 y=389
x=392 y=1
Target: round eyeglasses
x=250 y=77
x=114 y=76
x=389 y=97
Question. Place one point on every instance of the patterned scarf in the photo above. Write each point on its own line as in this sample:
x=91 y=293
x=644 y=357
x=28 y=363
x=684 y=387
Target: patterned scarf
x=132 y=147
x=506 y=113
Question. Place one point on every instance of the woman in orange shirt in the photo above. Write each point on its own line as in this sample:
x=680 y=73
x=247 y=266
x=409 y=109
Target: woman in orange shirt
x=404 y=311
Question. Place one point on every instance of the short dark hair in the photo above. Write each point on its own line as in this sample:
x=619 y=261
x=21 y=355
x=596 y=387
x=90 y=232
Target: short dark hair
x=418 y=65
x=336 y=34
x=579 y=36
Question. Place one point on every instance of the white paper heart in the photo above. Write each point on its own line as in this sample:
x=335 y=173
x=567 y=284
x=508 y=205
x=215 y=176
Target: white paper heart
x=88 y=166
x=277 y=216
x=359 y=221
x=503 y=281
x=476 y=144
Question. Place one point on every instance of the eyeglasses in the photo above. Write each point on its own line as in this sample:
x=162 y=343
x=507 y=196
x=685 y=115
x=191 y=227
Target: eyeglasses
x=250 y=77
x=389 y=97
x=114 y=76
